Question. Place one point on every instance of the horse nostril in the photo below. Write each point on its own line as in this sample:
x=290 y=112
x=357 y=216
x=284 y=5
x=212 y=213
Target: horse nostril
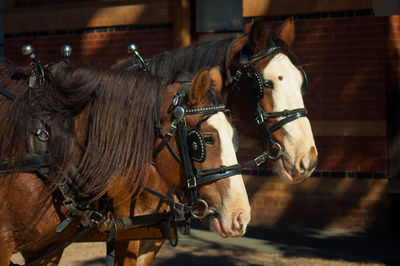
x=240 y=228
x=313 y=158
x=304 y=164
x=309 y=162
x=240 y=222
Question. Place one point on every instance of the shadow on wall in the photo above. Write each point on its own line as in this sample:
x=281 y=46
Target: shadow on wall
x=351 y=59
x=101 y=45
x=358 y=204
x=347 y=65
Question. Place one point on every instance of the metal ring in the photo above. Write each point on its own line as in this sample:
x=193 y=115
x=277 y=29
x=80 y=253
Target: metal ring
x=33 y=66
x=42 y=135
x=273 y=155
x=206 y=212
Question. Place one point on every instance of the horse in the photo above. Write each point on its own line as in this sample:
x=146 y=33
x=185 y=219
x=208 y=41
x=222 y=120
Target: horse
x=99 y=125
x=285 y=28
x=261 y=80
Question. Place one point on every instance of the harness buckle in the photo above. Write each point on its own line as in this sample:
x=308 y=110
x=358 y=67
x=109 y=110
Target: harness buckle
x=176 y=99
x=171 y=129
x=192 y=182
x=92 y=219
x=179 y=216
x=237 y=76
x=178 y=206
x=259 y=160
x=259 y=119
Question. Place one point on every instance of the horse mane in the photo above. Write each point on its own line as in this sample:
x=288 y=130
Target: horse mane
x=182 y=64
x=12 y=80
x=120 y=126
x=14 y=122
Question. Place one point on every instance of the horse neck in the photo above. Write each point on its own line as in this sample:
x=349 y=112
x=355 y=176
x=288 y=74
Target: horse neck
x=166 y=165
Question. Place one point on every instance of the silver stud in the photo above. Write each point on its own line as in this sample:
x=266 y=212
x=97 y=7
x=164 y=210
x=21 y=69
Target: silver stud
x=132 y=48
x=194 y=146
x=27 y=50
x=66 y=50
x=179 y=112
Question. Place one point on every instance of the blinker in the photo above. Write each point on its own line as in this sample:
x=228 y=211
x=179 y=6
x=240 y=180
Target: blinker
x=196 y=143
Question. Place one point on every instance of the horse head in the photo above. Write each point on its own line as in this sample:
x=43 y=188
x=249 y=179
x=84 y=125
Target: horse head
x=264 y=82
x=210 y=178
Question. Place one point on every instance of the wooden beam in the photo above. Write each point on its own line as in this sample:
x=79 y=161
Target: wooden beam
x=256 y=8
x=136 y=233
x=180 y=10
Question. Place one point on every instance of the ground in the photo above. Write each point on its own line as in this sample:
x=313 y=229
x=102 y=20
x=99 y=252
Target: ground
x=264 y=246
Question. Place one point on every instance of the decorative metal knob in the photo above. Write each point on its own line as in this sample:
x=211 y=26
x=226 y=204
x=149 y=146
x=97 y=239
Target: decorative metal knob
x=27 y=50
x=179 y=112
x=132 y=48
x=66 y=50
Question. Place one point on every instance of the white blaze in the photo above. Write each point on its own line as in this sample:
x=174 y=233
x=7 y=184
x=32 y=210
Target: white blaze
x=237 y=200
x=287 y=80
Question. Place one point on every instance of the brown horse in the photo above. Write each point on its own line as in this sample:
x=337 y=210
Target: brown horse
x=270 y=80
x=112 y=114
x=238 y=48
x=261 y=79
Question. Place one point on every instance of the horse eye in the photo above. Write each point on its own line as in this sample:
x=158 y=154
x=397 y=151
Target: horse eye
x=269 y=84
x=209 y=139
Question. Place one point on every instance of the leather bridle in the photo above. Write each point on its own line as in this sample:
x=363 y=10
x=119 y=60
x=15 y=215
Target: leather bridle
x=194 y=177
x=255 y=82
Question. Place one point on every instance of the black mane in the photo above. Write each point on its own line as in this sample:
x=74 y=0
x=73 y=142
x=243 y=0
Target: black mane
x=182 y=64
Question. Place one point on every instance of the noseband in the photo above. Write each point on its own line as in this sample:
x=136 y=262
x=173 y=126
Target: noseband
x=255 y=81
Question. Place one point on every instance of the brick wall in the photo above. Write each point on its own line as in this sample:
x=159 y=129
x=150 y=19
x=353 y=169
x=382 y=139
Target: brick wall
x=100 y=46
x=358 y=204
x=350 y=59
x=346 y=61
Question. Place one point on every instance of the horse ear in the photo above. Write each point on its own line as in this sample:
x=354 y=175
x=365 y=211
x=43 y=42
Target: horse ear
x=199 y=87
x=216 y=79
x=286 y=31
x=257 y=36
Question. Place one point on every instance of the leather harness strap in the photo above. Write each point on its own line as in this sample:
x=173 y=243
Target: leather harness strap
x=8 y=94
x=30 y=163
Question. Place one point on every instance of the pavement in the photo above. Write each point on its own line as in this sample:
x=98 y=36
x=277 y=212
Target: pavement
x=330 y=244
x=380 y=247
